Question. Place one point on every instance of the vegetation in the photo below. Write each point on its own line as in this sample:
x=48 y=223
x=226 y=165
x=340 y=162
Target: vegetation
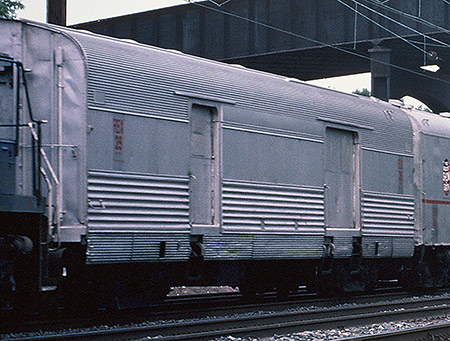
x=423 y=108
x=363 y=92
x=8 y=8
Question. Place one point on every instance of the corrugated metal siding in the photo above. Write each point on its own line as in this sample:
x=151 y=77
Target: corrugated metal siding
x=263 y=246
x=136 y=202
x=253 y=207
x=387 y=214
x=403 y=247
x=130 y=215
x=285 y=246
x=343 y=246
x=142 y=79
x=388 y=246
x=121 y=247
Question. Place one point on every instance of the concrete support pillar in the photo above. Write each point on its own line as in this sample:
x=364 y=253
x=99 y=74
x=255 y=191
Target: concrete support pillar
x=381 y=72
x=57 y=12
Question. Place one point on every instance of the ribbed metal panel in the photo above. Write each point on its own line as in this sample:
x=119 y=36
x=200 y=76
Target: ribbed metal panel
x=343 y=246
x=263 y=246
x=377 y=246
x=380 y=246
x=287 y=246
x=142 y=79
x=387 y=214
x=228 y=246
x=137 y=217
x=136 y=247
x=403 y=247
x=253 y=207
x=136 y=202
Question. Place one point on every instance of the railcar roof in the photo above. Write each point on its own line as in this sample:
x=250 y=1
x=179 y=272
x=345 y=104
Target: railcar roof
x=124 y=75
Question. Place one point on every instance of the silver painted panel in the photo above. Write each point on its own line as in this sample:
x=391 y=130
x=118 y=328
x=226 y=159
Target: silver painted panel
x=272 y=137
x=121 y=201
x=201 y=171
x=263 y=246
x=435 y=201
x=129 y=76
x=388 y=173
x=60 y=101
x=382 y=247
x=268 y=207
x=253 y=156
x=339 y=178
x=125 y=247
x=343 y=245
x=387 y=214
x=130 y=215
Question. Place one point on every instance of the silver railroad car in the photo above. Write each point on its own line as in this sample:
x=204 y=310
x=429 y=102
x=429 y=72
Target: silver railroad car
x=127 y=164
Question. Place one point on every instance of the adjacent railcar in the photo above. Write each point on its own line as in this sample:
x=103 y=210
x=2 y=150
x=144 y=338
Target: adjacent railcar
x=128 y=169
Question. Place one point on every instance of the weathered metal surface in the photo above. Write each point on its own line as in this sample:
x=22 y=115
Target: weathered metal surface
x=432 y=198
x=130 y=215
x=137 y=202
x=387 y=214
x=264 y=245
x=124 y=247
x=126 y=123
x=267 y=207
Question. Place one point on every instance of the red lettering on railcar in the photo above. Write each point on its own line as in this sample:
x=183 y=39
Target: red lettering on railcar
x=118 y=130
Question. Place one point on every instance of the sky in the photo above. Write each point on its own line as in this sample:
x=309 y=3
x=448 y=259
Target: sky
x=87 y=10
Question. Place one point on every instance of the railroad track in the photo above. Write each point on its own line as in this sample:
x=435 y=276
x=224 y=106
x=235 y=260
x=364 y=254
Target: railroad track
x=183 y=307
x=432 y=332
x=265 y=323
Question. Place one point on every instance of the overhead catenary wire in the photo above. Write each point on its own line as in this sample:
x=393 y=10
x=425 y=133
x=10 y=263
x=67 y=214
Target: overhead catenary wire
x=219 y=4
x=381 y=26
x=395 y=21
x=408 y=15
x=315 y=41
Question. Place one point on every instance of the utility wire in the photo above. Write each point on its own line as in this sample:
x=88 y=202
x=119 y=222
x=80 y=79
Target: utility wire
x=320 y=43
x=426 y=43
x=219 y=4
x=381 y=26
x=410 y=16
x=396 y=22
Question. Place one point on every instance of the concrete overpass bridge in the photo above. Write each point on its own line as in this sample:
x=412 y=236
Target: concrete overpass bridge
x=310 y=39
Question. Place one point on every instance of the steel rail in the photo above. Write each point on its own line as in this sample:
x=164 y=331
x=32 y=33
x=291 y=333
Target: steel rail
x=266 y=324
x=188 y=306
x=432 y=332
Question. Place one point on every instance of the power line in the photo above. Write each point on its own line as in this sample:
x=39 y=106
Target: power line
x=320 y=43
x=380 y=25
x=407 y=15
x=219 y=4
x=396 y=22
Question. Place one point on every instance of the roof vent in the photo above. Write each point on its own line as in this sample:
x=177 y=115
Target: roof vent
x=445 y=114
x=294 y=80
x=174 y=51
x=396 y=103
